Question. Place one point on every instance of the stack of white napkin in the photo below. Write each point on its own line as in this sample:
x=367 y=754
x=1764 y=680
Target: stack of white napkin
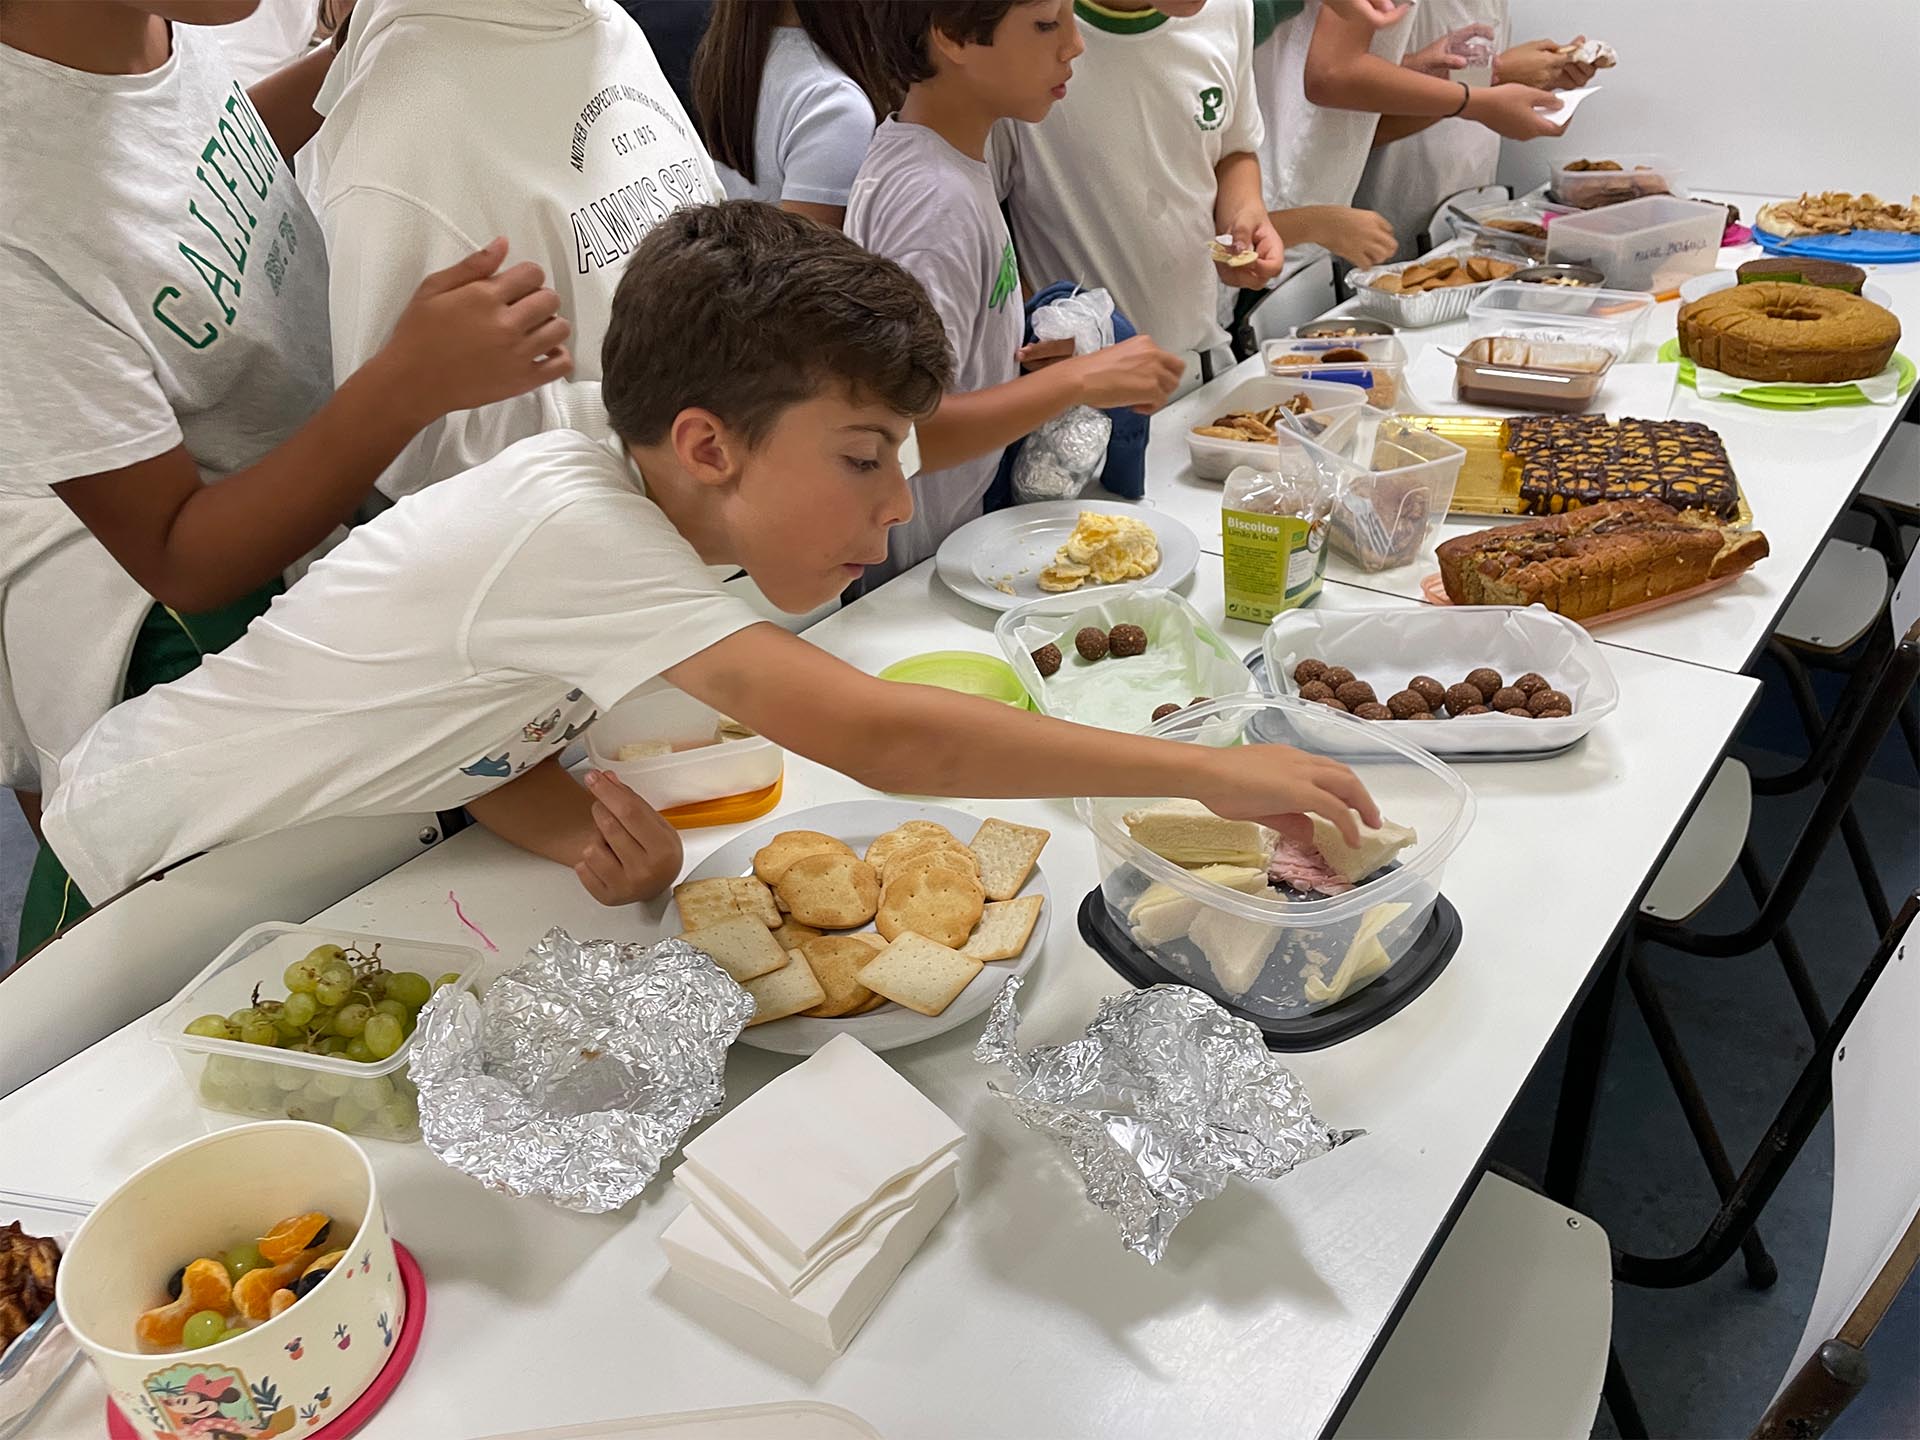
x=809 y=1198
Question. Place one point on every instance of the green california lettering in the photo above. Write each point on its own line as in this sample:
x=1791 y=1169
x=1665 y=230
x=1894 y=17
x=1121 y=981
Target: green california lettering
x=1007 y=281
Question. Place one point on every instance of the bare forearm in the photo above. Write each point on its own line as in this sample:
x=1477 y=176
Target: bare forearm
x=982 y=421
x=1236 y=188
x=1399 y=127
x=1342 y=73
x=543 y=811
x=285 y=100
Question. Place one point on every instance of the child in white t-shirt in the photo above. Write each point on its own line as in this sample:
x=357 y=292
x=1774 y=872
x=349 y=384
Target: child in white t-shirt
x=926 y=198
x=172 y=435
x=448 y=121
x=787 y=93
x=762 y=374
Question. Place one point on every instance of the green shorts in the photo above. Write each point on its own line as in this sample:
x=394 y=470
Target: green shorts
x=167 y=646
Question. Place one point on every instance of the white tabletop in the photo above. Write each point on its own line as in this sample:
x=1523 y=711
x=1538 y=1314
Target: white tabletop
x=1023 y=1316
x=1800 y=471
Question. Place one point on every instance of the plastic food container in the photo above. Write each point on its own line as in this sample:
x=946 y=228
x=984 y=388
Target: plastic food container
x=372 y=1098
x=1371 y=363
x=1184 y=658
x=1615 y=320
x=965 y=671
x=1426 y=307
x=1394 y=481
x=1489 y=236
x=1333 y=405
x=1651 y=244
x=1341 y=327
x=34 y=1364
x=1591 y=189
x=685 y=777
x=1530 y=374
x=201 y=1199
x=1263 y=953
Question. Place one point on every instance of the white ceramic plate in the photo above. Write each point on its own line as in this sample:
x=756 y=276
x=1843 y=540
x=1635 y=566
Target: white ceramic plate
x=1010 y=547
x=1695 y=287
x=858 y=823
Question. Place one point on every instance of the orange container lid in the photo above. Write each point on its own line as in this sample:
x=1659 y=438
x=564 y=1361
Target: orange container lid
x=727 y=810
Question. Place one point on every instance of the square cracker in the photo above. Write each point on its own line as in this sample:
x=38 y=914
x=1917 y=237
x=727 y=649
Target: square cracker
x=786 y=991
x=750 y=897
x=1007 y=853
x=708 y=902
x=919 y=973
x=739 y=945
x=1003 y=929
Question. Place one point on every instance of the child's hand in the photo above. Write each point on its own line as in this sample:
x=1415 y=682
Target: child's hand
x=470 y=336
x=1540 y=64
x=1277 y=785
x=637 y=854
x=1359 y=237
x=1254 y=232
x=1447 y=54
x=1518 y=112
x=1136 y=373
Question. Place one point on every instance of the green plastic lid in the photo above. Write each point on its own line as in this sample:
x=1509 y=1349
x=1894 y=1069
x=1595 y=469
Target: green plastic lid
x=962 y=670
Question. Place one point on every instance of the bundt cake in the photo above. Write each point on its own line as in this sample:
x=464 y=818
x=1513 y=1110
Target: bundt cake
x=1794 y=333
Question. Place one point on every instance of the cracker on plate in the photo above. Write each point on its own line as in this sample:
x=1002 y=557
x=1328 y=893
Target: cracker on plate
x=939 y=903
x=786 y=991
x=1004 y=928
x=919 y=973
x=739 y=945
x=907 y=835
x=833 y=892
x=707 y=902
x=1007 y=854
x=836 y=961
x=771 y=860
x=792 y=934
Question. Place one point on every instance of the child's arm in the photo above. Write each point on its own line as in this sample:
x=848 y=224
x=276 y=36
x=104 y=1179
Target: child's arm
x=285 y=100
x=918 y=740
x=1135 y=373
x=1359 y=237
x=468 y=337
x=1240 y=210
x=615 y=842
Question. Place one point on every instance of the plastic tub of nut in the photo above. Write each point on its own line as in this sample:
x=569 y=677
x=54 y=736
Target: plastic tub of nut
x=1392 y=481
x=1371 y=363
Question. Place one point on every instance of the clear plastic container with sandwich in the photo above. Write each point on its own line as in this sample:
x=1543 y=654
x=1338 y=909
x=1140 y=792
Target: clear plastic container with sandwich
x=1224 y=927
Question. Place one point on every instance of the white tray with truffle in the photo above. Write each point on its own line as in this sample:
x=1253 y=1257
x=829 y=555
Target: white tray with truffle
x=1541 y=678
x=1011 y=556
x=1119 y=662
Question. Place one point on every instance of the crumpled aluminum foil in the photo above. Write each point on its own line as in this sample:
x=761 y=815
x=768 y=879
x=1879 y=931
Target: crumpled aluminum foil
x=1061 y=458
x=1164 y=1098
x=580 y=1071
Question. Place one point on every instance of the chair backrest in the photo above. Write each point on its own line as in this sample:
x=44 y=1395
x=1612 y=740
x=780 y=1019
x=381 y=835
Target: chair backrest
x=139 y=948
x=1441 y=228
x=1904 y=607
x=1876 y=1144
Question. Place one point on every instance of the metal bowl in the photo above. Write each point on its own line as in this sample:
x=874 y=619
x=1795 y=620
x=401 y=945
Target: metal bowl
x=1340 y=327
x=1569 y=276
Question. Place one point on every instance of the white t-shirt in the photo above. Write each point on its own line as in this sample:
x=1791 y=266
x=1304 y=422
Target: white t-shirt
x=1316 y=154
x=936 y=213
x=452 y=121
x=444 y=647
x=164 y=284
x=274 y=35
x=811 y=127
x=1116 y=186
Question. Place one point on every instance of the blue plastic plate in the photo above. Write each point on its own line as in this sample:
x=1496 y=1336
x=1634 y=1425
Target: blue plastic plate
x=1856 y=247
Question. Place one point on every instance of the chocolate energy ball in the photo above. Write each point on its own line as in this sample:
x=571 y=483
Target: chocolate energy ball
x=1316 y=690
x=1309 y=670
x=1047 y=660
x=1373 y=711
x=1474 y=710
x=1463 y=695
x=1553 y=712
x=1531 y=681
x=1160 y=712
x=1519 y=712
x=1543 y=700
x=1423 y=715
x=1198 y=700
x=1486 y=680
x=1126 y=641
x=1091 y=643
x=1429 y=690
x=1355 y=692
x=1337 y=675
x=1508 y=697
x=1405 y=704
x=1332 y=704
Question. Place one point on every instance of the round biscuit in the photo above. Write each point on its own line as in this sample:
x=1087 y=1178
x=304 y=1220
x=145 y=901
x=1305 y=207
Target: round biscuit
x=771 y=860
x=936 y=902
x=833 y=892
x=906 y=836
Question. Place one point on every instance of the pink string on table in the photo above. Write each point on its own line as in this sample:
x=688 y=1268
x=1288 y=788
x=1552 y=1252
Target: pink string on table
x=461 y=915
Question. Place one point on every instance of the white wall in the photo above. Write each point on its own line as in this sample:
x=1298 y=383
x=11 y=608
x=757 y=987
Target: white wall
x=1764 y=96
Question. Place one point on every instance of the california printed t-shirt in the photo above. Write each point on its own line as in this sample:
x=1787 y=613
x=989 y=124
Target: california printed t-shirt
x=936 y=213
x=450 y=122
x=446 y=646
x=811 y=127
x=1116 y=186
x=164 y=284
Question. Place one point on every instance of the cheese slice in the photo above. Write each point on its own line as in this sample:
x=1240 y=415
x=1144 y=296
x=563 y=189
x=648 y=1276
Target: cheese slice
x=1187 y=833
x=1163 y=914
x=1366 y=957
x=1236 y=948
x=1355 y=863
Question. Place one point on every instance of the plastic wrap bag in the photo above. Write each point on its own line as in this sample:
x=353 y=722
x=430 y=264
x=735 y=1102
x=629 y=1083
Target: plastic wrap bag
x=1060 y=458
x=1273 y=529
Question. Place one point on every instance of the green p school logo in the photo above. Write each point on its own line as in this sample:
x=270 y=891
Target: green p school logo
x=1007 y=281
x=1213 y=102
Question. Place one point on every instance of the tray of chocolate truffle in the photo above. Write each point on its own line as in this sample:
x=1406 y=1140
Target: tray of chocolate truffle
x=1122 y=664
x=1466 y=682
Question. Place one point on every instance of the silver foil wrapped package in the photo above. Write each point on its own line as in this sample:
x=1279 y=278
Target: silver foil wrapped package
x=580 y=1071
x=1163 y=1099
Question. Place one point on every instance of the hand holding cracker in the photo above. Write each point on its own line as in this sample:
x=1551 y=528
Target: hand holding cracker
x=635 y=855
x=1248 y=253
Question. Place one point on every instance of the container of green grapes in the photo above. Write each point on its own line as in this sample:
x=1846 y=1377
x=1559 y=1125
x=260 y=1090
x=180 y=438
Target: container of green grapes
x=311 y=1024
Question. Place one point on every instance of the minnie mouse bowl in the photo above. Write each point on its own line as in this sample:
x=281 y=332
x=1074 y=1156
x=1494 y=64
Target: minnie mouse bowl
x=281 y=1376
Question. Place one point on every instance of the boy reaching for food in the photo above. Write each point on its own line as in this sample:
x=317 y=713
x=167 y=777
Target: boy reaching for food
x=761 y=375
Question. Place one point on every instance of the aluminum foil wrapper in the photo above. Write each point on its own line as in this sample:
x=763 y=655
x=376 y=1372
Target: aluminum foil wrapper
x=1163 y=1099
x=1060 y=458
x=579 y=1071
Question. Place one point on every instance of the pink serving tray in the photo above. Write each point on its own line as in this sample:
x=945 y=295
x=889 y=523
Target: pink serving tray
x=1435 y=593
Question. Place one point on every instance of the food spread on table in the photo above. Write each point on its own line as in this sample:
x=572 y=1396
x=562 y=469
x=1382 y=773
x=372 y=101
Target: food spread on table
x=1105 y=549
x=28 y=1264
x=1797 y=333
x=218 y=1296
x=1483 y=692
x=1259 y=426
x=791 y=934
x=1562 y=462
x=1836 y=212
x=1443 y=272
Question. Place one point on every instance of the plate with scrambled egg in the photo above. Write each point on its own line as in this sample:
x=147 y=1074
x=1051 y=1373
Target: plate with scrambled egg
x=1064 y=547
